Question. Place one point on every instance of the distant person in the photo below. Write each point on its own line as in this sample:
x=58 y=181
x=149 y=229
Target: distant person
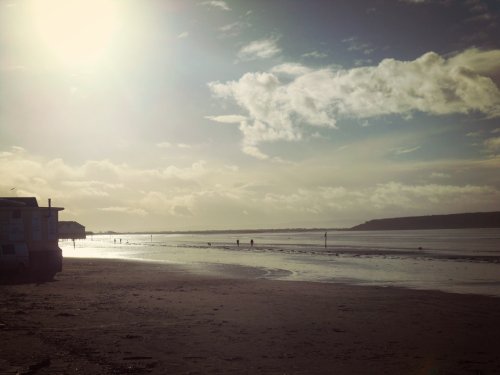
x=251 y=242
x=120 y=240
x=114 y=240
x=209 y=243
x=238 y=243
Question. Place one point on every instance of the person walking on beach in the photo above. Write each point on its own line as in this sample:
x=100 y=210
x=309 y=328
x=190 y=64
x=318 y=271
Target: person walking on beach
x=251 y=242
x=238 y=243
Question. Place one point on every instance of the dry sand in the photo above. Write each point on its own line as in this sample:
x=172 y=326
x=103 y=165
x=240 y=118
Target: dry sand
x=116 y=317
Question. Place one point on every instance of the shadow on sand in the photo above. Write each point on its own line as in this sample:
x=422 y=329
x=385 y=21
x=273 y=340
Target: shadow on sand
x=8 y=278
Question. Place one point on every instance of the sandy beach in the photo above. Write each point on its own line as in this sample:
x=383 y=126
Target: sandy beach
x=119 y=317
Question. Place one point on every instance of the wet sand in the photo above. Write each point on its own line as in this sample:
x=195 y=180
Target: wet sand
x=118 y=317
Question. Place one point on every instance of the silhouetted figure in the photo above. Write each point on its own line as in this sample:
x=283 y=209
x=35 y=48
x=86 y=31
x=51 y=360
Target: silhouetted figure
x=120 y=240
x=209 y=243
x=238 y=243
x=251 y=242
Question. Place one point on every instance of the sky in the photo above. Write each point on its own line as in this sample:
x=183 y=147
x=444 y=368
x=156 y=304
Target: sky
x=191 y=115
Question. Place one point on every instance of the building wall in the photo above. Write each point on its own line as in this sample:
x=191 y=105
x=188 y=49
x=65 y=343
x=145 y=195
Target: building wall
x=35 y=226
x=71 y=230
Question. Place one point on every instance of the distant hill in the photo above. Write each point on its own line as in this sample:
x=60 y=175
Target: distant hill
x=453 y=221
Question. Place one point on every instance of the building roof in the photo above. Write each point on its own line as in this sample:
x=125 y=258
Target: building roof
x=70 y=223
x=18 y=202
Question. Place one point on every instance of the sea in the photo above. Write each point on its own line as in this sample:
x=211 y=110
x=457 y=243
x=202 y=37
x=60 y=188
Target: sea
x=457 y=261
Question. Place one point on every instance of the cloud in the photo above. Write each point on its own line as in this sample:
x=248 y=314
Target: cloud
x=353 y=44
x=217 y=4
x=102 y=194
x=291 y=69
x=439 y=175
x=125 y=210
x=482 y=62
x=362 y=62
x=227 y=119
x=402 y=151
x=97 y=192
x=473 y=134
x=492 y=145
x=259 y=49
x=481 y=14
x=280 y=109
x=164 y=145
x=183 y=35
x=234 y=29
x=388 y=197
x=315 y=54
x=92 y=188
x=411 y=196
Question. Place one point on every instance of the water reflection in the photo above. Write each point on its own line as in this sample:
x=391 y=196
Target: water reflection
x=464 y=261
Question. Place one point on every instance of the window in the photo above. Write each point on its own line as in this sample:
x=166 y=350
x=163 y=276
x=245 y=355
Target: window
x=8 y=249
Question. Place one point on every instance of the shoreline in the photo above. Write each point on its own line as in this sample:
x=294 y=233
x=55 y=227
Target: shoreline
x=281 y=269
x=104 y=316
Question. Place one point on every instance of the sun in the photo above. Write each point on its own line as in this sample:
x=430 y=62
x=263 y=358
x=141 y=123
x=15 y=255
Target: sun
x=76 y=32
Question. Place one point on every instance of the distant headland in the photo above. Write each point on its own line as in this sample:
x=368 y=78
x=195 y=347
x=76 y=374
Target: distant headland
x=451 y=221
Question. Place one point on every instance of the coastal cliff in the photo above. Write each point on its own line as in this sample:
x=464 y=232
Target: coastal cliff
x=452 y=221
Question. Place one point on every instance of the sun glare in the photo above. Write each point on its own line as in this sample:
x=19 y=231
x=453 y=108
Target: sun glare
x=76 y=32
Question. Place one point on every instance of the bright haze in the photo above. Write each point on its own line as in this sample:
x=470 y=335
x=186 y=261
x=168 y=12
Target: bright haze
x=179 y=115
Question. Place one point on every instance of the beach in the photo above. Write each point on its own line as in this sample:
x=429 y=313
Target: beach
x=123 y=317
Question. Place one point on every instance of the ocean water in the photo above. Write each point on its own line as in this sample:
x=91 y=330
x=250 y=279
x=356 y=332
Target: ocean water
x=458 y=261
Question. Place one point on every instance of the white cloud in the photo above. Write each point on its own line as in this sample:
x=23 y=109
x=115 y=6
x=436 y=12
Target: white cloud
x=402 y=151
x=217 y=4
x=125 y=210
x=234 y=29
x=170 y=145
x=251 y=150
x=183 y=35
x=481 y=62
x=260 y=49
x=362 y=62
x=105 y=195
x=291 y=69
x=439 y=175
x=164 y=145
x=278 y=110
x=315 y=54
x=353 y=44
x=92 y=188
x=98 y=192
x=412 y=196
x=492 y=145
x=230 y=27
x=473 y=134
x=227 y=119
x=389 y=196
